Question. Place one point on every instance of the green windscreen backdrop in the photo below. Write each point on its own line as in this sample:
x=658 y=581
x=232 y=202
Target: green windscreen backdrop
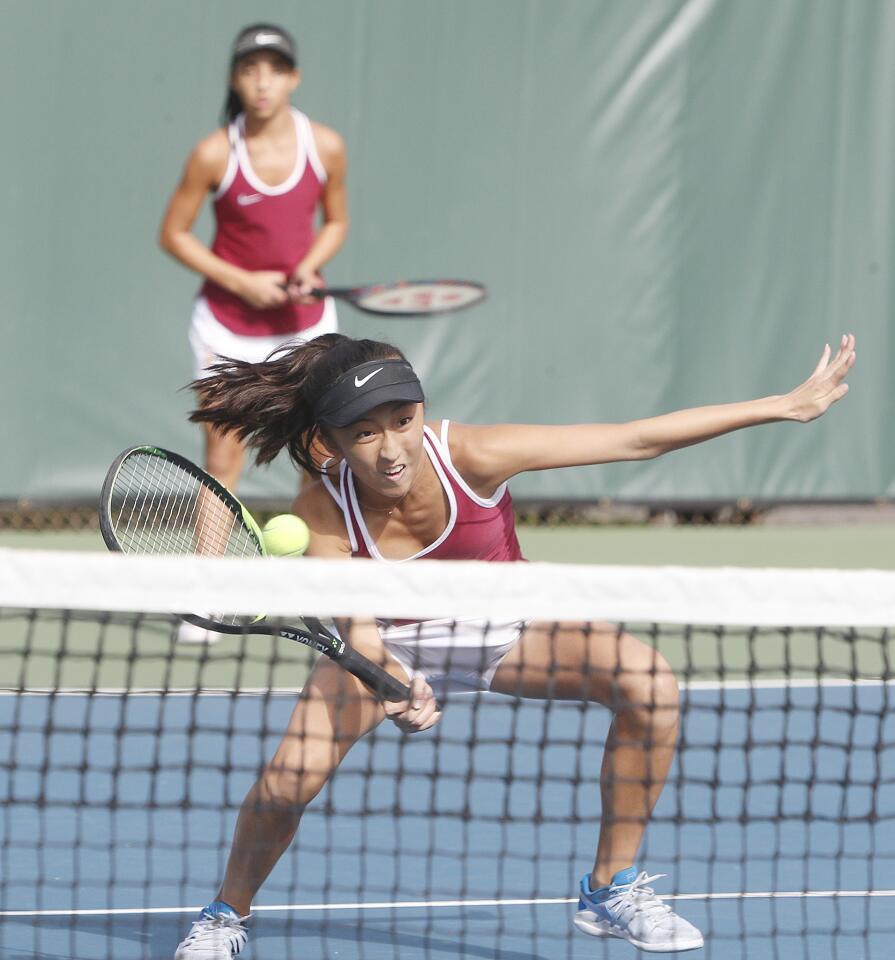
x=672 y=202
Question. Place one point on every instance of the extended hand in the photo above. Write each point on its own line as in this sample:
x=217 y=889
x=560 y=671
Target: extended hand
x=825 y=386
x=420 y=712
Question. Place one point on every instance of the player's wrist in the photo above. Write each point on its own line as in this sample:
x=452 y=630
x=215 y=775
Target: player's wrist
x=307 y=271
x=778 y=407
x=236 y=281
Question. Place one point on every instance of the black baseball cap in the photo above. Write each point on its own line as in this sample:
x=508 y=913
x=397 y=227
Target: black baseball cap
x=360 y=389
x=264 y=36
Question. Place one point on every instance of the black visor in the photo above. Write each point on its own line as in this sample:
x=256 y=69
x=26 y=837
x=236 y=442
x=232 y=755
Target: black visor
x=367 y=386
x=264 y=38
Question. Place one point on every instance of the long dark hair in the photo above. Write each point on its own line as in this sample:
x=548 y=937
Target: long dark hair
x=232 y=104
x=232 y=107
x=270 y=405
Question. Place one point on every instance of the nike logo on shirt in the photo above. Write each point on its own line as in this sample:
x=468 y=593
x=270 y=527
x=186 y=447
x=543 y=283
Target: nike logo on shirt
x=369 y=376
x=246 y=199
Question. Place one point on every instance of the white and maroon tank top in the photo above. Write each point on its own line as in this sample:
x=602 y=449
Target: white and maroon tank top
x=477 y=529
x=260 y=227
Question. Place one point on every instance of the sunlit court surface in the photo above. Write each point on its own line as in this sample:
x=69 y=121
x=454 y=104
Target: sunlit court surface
x=621 y=272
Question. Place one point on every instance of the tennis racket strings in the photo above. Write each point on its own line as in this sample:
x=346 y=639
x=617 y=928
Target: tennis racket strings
x=157 y=506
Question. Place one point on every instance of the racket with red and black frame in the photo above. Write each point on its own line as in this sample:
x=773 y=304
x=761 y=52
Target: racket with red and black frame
x=409 y=298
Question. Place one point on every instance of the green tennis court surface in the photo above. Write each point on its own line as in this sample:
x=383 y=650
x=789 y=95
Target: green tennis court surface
x=848 y=546
x=267 y=662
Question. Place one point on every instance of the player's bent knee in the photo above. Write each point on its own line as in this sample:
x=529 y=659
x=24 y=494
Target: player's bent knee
x=292 y=788
x=665 y=702
x=649 y=698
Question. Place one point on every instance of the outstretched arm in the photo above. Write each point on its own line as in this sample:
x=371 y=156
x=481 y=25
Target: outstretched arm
x=489 y=455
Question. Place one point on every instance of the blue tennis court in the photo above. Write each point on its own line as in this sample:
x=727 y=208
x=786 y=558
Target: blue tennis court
x=778 y=791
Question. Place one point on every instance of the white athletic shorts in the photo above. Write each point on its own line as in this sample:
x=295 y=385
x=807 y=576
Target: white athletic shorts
x=210 y=339
x=452 y=655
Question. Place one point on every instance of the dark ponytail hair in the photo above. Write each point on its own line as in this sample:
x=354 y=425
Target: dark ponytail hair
x=232 y=104
x=232 y=107
x=270 y=405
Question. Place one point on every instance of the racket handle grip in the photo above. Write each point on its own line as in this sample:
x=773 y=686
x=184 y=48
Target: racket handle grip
x=381 y=683
x=319 y=292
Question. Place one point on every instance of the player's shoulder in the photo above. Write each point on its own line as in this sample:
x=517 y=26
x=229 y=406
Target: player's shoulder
x=478 y=451
x=465 y=441
x=211 y=151
x=464 y=435
x=330 y=144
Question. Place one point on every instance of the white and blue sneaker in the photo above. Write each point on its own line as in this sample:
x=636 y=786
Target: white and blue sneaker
x=629 y=909
x=219 y=934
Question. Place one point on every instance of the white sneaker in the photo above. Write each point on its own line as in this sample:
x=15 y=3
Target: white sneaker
x=219 y=934
x=629 y=909
x=190 y=633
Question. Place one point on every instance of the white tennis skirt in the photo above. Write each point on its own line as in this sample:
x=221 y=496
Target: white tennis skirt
x=211 y=340
x=452 y=655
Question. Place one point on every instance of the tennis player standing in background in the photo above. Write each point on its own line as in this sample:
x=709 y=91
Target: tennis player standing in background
x=270 y=171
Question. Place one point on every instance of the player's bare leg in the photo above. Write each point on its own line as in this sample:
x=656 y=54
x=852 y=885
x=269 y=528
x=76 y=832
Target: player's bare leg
x=600 y=663
x=334 y=711
x=224 y=456
x=597 y=662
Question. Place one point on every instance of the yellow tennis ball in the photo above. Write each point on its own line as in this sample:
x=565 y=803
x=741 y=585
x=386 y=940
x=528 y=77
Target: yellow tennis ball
x=286 y=535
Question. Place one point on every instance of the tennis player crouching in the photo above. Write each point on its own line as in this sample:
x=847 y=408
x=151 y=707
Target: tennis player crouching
x=399 y=488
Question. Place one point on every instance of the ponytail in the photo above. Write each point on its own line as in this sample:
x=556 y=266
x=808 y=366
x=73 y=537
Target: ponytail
x=270 y=405
x=232 y=108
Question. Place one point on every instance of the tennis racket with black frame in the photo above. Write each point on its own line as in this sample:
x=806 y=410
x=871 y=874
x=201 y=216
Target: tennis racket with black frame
x=409 y=298
x=154 y=501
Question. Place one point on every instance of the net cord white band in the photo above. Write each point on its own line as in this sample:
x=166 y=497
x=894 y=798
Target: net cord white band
x=424 y=590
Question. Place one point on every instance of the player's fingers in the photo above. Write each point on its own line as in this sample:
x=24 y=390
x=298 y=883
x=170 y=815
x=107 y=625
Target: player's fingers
x=843 y=363
x=402 y=712
x=421 y=697
x=413 y=720
x=824 y=360
x=847 y=352
x=421 y=705
x=846 y=349
x=840 y=350
x=425 y=710
x=423 y=718
x=433 y=719
x=420 y=692
x=395 y=711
